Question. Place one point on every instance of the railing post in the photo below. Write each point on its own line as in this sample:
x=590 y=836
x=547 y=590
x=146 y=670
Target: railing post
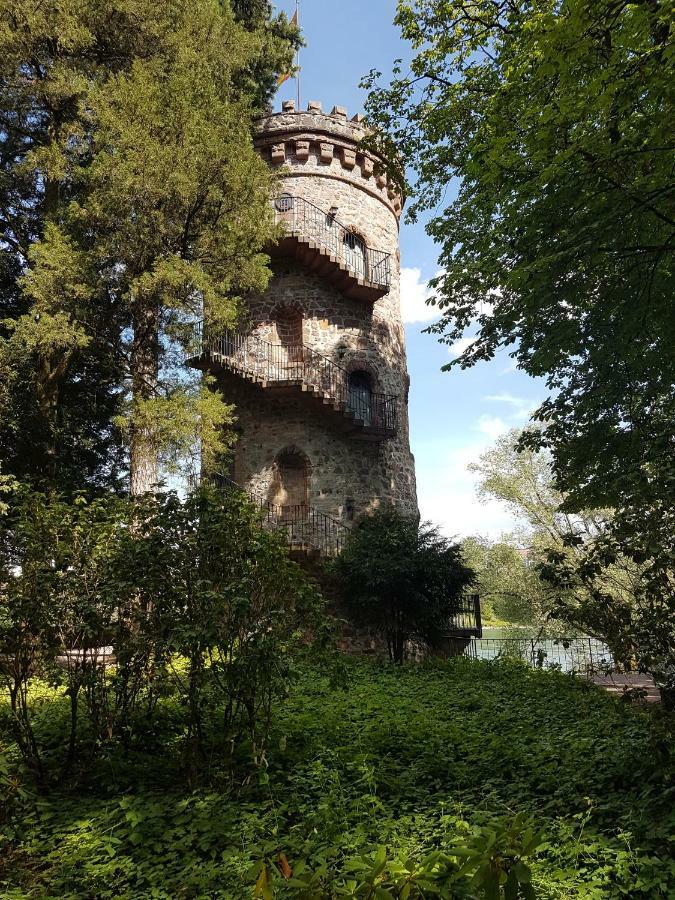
x=477 y=614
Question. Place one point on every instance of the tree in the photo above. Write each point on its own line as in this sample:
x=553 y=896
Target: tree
x=400 y=578
x=280 y=39
x=581 y=576
x=56 y=403
x=180 y=200
x=133 y=203
x=508 y=581
x=558 y=118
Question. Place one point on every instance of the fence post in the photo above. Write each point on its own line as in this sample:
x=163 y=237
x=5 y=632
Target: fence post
x=476 y=611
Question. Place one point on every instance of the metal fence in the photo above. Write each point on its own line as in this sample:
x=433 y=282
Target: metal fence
x=582 y=654
x=309 y=222
x=466 y=621
x=263 y=361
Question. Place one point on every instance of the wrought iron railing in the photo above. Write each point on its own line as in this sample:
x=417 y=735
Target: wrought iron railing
x=302 y=526
x=583 y=655
x=466 y=621
x=303 y=219
x=263 y=361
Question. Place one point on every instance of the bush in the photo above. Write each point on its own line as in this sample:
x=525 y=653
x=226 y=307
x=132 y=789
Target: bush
x=444 y=763
x=194 y=597
x=401 y=578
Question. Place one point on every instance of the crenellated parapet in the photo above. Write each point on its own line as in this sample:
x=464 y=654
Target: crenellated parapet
x=328 y=143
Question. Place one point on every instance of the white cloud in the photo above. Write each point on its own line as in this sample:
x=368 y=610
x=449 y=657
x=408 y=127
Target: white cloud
x=492 y=426
x=459 y=346
x=511 y=368
x=521 y=408
x=506 y=398
x=447 y=495
x=414 y=292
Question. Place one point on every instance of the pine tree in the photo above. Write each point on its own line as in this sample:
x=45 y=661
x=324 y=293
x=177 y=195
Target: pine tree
x=57 y=395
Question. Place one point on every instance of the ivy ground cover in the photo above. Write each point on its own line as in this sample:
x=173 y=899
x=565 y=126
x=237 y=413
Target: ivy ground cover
x=413 y=759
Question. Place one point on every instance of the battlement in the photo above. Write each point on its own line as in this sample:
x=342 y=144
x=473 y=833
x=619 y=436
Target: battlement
x=314 y=119
x=330 y=139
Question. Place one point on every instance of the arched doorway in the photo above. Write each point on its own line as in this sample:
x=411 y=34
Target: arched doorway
x=289 y=336
x=361 y=396
x=289 y=490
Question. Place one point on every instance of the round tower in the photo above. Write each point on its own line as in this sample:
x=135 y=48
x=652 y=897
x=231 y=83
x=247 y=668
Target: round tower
x=319 y=375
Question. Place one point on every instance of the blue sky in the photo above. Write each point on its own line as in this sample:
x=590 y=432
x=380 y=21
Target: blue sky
x=454 y=416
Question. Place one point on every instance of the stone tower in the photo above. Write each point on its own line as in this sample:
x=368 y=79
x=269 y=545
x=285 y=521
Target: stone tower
x=318 y=375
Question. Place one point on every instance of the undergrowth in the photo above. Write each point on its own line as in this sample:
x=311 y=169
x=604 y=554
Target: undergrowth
x=374 y=777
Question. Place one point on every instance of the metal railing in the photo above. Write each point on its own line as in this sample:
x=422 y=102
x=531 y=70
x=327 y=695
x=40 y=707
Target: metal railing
x=263 y=361
x=301 y=525
x=584 y=655
x=466 y=621
x=303 y=219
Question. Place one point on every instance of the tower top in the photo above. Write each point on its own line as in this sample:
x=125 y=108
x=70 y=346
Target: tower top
x=295 y=133
x=292 y=119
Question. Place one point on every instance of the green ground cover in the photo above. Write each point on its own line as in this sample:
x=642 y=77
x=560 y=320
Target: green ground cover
x=414 y=760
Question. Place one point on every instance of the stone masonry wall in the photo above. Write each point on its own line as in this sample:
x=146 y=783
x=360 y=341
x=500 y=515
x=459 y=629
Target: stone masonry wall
x=318 y=159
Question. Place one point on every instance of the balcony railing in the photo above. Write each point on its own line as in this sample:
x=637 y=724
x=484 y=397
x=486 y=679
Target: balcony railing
x=466 y=621
x=303 y=527
x=281 y=364
x=304 y=220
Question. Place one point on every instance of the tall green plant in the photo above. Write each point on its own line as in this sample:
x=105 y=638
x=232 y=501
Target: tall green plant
x=400 y=578
x=192 y=597
x=221 y=594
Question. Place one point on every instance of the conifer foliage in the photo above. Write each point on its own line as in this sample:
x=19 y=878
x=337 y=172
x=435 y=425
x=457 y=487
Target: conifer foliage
x=401 y=579
x=132 y=203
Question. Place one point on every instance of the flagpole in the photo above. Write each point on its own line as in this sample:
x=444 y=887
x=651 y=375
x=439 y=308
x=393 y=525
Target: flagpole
x=297 y=52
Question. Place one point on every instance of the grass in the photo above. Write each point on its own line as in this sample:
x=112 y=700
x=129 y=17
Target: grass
x=413 y=759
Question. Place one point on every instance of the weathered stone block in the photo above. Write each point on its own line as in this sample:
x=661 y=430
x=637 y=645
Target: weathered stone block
x=367 y=167
x=278 y=154
x=302 y=150
x=348 y=158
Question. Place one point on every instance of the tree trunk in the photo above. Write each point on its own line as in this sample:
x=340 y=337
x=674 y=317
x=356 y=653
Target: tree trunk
x=144 y=464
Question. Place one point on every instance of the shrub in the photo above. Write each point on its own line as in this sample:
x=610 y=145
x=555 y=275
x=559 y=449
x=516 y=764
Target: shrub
x=401 y=578
x=194 y=597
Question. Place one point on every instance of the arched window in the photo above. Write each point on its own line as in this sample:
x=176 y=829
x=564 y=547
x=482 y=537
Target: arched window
x=284 y=203
x=361 y=396
x=289 y=489
x=354 y=250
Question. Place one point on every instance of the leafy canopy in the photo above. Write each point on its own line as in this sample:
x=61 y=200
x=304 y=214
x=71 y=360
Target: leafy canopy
x=131 y=201
x=577 y=575
x=558 y=118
